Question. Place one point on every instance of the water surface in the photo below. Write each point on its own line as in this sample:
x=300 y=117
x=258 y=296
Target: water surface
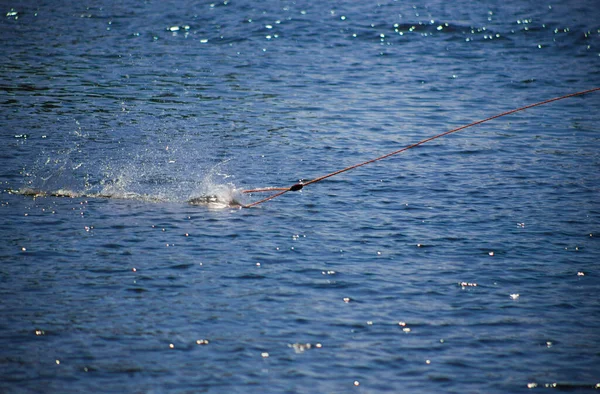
x=469 y=264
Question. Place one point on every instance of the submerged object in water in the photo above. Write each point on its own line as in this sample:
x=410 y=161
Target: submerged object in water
x=213 y=200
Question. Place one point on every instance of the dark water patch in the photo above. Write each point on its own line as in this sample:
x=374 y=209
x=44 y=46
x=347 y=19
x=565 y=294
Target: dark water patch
x=112 y=246
x=138 y=290
x=184 y=266
x=247 y=276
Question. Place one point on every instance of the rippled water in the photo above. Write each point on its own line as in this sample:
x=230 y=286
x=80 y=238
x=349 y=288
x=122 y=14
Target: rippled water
x=468 y=264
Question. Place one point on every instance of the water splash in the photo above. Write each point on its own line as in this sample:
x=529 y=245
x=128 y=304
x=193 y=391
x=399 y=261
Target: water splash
x=152 y=175
x=215 y=190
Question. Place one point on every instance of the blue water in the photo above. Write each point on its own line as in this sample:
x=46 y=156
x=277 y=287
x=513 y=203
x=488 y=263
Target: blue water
x=354 y=284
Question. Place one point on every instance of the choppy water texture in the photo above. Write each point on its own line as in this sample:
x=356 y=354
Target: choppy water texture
x=469 y=264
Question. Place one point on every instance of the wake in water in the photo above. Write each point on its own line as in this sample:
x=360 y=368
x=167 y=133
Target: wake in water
x=224 y=197
x=149 y=184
